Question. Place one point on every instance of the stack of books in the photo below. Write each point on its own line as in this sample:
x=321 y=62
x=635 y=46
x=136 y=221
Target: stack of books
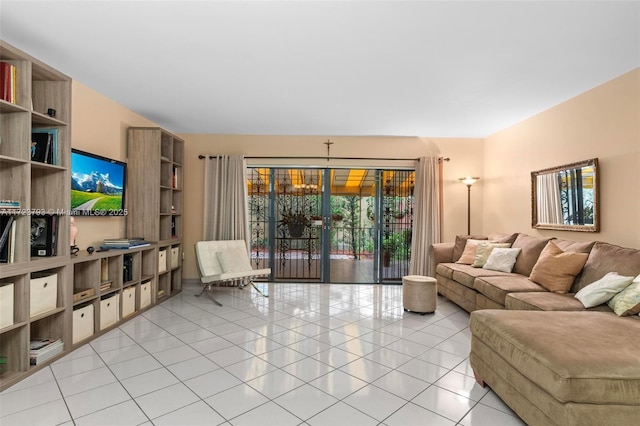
x=41 y=350
x=123 y=243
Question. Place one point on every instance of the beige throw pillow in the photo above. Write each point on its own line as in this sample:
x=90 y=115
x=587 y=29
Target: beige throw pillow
x=469 y=253
x=461 y=241
x=484 y=250
x=502 y=259
x=555 y=269
x=603 y=290
x=627 y=302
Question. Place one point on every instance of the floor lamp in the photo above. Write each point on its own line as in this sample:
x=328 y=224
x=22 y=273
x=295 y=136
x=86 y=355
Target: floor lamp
x=468 y=180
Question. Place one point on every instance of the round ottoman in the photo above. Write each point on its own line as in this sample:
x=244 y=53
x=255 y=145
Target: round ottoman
x=419 y=294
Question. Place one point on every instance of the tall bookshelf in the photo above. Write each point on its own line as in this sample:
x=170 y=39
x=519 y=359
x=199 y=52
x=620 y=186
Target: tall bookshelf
x=38 y=188
x=155 y=204
x=74 y=298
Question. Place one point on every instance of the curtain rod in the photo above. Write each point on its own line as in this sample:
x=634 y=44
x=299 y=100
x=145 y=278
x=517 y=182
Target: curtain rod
x=441 y=159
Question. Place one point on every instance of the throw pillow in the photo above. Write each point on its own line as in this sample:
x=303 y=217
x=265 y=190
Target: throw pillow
x=461 y=241
x=234 y=260
x=502 y=259
x=556 y=269
x=469 y=253
x=483 y=251
x=627 y=302
x=601 y=291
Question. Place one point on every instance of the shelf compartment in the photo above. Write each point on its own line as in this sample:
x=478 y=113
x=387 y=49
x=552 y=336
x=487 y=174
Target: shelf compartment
x=13 y=344
x=14 y=178
x=15 y=129
x=85 y=276
x=51 y=327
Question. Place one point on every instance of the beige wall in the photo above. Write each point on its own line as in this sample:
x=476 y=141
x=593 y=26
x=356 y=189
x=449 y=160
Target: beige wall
x=99 y=126
x=604 y=123
x=465 y=154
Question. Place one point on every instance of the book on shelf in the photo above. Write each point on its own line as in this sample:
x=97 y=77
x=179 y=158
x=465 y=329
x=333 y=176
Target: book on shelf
x=174 y=180
x=44 y=235
x=40 y=146
x=41 y=350
x=8 y=82
x=124 y=246
x=124 y=243
x=7 y=239
x=104 y=269
x=127 y=268
x=53 y=155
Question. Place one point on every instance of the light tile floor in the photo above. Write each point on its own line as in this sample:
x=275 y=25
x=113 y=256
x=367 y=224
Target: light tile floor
x=309 y=354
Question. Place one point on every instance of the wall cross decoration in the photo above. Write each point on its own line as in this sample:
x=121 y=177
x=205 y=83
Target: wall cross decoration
x=328 y=143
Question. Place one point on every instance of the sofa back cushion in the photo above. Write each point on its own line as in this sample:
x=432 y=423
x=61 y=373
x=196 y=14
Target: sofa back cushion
x=461 y=242
x=577 y=246
x=531 y=249
x=503 y=238
x=556 y=269
x=605 y=258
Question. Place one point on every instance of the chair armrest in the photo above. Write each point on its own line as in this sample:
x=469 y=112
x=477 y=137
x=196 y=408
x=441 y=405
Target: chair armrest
x=442 y=252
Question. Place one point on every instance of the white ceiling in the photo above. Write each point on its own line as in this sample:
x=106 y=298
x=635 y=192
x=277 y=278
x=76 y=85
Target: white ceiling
x=419 y=68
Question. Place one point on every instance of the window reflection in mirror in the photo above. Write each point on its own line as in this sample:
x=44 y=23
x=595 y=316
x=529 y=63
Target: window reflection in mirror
x=566 y=197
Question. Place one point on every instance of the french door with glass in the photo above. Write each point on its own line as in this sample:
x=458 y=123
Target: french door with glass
x=331 y=225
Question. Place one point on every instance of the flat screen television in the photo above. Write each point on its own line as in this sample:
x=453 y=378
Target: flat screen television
x=97 y=185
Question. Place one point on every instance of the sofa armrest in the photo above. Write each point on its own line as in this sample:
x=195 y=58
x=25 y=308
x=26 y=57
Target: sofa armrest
x=442 y=252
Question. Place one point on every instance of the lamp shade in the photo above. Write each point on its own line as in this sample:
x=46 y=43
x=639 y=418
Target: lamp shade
x=469 y=180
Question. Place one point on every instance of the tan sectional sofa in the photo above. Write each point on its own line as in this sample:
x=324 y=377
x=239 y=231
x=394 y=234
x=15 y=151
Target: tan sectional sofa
x=550 y=359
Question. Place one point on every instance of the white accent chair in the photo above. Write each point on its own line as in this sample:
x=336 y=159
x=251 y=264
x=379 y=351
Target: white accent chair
x=226 y=261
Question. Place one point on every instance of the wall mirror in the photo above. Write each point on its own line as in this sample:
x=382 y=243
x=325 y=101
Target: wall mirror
x=566 y=197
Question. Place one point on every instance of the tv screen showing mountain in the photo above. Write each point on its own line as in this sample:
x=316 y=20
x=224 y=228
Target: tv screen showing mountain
x=97 y=185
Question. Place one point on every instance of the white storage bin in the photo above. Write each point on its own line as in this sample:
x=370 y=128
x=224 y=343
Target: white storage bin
x=175 y=257
x=82 y=323
x=109 y=311
x=43 y=295
x=162 y=260
x=128 y=301
x=145 y=294
x=6 y=305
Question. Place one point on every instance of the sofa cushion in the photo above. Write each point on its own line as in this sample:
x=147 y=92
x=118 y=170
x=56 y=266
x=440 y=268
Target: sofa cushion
x=583 y=364
x=461 y=242
x=531 y=249
x=605 y=258
x=574 y=246
x=496 y=288
x=503 y=238
x=465 y=274
x=542 y=301
x=556 y=269
x=469 y=253
x=627 y=302
x=483 y=251
x=603 y=290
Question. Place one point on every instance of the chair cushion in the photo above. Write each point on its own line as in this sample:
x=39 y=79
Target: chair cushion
x=234 y=260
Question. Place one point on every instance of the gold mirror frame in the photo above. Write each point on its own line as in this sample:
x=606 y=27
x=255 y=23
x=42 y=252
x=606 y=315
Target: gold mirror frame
x=563 y=175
